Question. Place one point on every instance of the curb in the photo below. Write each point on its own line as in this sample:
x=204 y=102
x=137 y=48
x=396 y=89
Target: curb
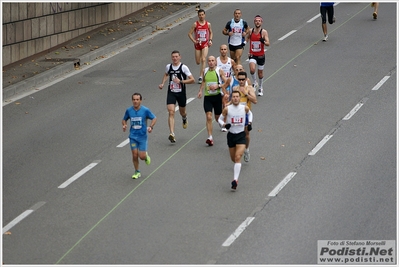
x=65 y=68
x=127 y=40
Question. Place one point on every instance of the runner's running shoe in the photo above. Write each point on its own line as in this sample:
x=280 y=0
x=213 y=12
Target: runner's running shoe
x=136 y=175
x=209 y=142
x=247 y=156
x=185 y=123
x=234 y=184
x=260 y=92
x=255 y=85
x=148 y=160
x=172 y=138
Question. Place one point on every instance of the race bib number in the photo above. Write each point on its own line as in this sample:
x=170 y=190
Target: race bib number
x=136 y=122
x=237 y=30
x=236 y=120
x=256 y=46
x=175 y=87
x=211 y=92
x=201 y=35
x=226 y=70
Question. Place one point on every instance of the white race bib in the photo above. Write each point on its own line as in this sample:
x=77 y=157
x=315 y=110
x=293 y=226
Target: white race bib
x=136 y=122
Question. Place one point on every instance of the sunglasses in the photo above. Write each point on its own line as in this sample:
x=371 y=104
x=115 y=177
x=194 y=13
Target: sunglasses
x=243 y=79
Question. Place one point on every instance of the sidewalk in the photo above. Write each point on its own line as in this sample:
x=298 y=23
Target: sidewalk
x=97 y=44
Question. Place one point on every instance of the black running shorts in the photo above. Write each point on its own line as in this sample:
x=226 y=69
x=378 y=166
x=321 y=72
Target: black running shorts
x=213 y=103
x=236 y=139
x=180 y=98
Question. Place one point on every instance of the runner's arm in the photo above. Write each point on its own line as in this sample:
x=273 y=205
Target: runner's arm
x=164 y=78
x=190 y=34
x=210 y=33
x=226 y=29
x=248 y=36
x=222 y=75
x=250 y=115
x=190 y=79
x=201 y=89
x=222 y=120
x=225 y=85
x=251 y=95
x=265 y=36
x=246 y=29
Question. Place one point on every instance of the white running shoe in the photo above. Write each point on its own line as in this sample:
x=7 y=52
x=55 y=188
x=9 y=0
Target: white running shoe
x=247 y=156
x=260 y=92
x=255 y=85
x=223 y=129
x=325 y=38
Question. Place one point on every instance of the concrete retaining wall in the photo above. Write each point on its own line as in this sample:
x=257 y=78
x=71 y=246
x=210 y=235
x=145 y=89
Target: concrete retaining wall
x=32 y=28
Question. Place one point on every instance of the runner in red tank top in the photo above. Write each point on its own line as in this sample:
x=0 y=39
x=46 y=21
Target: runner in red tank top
x=257 y=47
x=201 y=35
x=258 y=38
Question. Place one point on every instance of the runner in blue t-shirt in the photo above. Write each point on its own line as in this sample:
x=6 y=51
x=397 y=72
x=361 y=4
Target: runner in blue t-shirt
x=138 y=115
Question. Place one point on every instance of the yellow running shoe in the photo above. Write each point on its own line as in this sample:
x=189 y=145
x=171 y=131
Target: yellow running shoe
x=136 y=175
x=185 y=123
x=172 y=138
x=148 y=160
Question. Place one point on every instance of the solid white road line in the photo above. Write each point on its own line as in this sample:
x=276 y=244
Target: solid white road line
x=281 y=185
x=380 y=83
x=22 y=216
x=79 y=174
x=320 y=145
x=285 y=36
x=238 y=232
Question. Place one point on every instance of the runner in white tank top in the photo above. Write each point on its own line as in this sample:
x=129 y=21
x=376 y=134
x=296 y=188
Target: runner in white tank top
x=233 y=119
x=227 y=65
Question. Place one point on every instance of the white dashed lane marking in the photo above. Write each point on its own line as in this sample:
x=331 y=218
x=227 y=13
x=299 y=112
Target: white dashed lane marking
x=22 y=216
x=79 y=174
x=238 y=232
x=380 y=83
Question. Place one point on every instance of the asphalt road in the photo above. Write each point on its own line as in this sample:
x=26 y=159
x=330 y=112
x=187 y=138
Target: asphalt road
x=182 y=211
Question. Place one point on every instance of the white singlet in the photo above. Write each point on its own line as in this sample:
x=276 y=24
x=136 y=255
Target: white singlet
x=226 y=67
x=236 y=117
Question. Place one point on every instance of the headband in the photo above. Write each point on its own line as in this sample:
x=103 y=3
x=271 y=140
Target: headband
x=258 y=16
